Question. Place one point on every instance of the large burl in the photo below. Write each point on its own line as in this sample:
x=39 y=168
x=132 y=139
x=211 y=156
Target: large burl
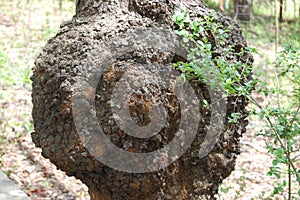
x=99 y=91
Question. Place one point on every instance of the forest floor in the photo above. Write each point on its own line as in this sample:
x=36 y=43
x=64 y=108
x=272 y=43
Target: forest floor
x=21 y=37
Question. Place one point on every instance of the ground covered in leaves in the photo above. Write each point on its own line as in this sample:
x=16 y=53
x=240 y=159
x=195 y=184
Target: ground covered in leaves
x=25 y=27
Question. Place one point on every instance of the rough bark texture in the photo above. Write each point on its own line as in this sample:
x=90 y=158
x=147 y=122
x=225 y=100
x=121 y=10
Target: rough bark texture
x=66 y=56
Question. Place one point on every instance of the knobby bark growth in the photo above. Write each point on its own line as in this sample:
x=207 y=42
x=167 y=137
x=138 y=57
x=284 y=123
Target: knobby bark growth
x=71 y=53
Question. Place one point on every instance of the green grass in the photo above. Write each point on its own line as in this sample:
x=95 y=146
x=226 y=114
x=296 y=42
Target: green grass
x=25 y=28
x=267 y=8
x=13 y=73
x=290 y=34
x=261 y=31
x=33 y=24
x=262 y=26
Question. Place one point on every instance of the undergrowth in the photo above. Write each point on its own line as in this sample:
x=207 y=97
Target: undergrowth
x=281 y=113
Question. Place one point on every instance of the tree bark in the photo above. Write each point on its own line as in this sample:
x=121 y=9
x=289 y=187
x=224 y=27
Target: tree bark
x=242 y=10
x=222 y=5
x=58 y=86
x=281 y=11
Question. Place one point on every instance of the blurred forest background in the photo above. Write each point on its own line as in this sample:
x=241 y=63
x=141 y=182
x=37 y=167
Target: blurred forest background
x=25 y=27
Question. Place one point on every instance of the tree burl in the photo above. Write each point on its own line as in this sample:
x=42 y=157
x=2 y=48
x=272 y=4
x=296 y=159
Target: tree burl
x=65 y=73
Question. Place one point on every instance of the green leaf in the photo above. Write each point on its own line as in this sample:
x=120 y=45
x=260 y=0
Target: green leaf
x=280 y=152
x=206 y=104
x=269 y=173
x=180 y=17
x=284 y=183
x=185 y=39
x=277 y=175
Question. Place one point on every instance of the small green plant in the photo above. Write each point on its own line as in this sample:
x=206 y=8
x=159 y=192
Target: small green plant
x=223 y=189
x=203 y=37
x=281 y=115
x=242 y=183
x=282 y=121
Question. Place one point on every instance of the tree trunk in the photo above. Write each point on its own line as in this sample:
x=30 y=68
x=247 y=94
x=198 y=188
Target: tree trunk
x=242 y=10
x=281 y=11
x=60 y=5
x=107 y=109
x=222 y=5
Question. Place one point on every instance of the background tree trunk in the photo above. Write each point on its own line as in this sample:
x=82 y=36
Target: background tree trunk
x=76 y=51
x=242 y=9
x=281 y=11
x=222 y=5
